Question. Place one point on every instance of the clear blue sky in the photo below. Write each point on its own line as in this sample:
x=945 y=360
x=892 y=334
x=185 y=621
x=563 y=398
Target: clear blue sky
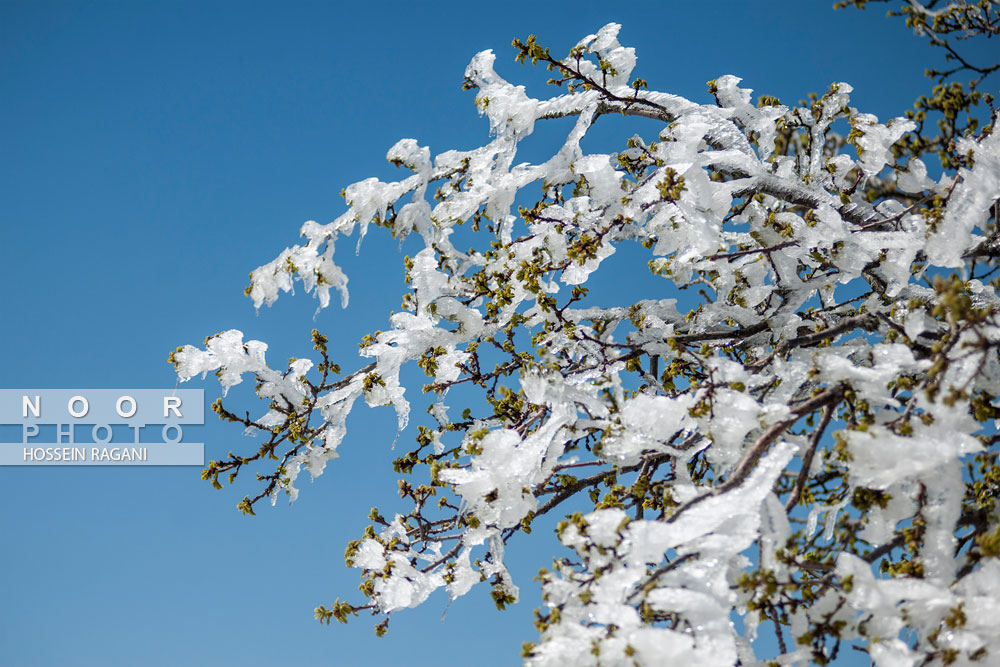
x=151 y=155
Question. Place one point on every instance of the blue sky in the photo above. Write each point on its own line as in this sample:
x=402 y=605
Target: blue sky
x=151 y=155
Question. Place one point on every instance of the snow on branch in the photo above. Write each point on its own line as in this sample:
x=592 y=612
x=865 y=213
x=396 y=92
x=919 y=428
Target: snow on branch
x=826 y=406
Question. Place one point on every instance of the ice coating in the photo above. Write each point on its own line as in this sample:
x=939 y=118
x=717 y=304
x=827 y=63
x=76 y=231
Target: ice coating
x=824 y=313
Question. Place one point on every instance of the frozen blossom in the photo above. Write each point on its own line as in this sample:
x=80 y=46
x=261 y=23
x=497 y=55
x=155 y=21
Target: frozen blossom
x=830 y=363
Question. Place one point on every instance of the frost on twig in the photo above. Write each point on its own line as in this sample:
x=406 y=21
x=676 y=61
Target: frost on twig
x=808 y=445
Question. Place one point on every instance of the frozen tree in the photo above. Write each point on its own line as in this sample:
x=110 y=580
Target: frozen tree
x=799 y=438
